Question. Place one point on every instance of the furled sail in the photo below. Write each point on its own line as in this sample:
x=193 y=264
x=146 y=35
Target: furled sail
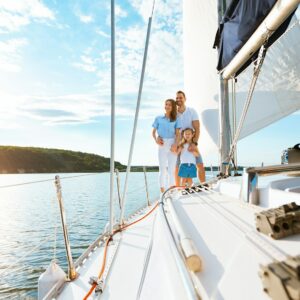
x=277 y=92
x=241 y=19
x=201 y=81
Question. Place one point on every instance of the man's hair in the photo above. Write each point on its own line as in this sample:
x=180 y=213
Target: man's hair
x=181 y=92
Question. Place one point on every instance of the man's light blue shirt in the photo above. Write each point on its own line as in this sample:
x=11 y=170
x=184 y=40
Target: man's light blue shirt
x=165 y=128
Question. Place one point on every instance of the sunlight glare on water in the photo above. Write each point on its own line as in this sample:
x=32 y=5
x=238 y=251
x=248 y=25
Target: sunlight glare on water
x=29 y=218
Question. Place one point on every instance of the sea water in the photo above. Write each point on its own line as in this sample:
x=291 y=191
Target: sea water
x=30 y=226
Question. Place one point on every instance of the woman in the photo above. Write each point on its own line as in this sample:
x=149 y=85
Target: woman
x=166 y=134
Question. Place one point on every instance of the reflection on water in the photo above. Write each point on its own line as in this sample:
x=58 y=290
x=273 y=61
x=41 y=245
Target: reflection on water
x=29 y=218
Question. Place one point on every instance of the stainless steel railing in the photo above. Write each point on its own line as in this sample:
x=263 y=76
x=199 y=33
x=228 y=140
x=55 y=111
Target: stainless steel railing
x=250 y=178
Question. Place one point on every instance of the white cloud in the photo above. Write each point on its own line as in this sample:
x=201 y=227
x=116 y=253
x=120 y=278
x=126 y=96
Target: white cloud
x=102 y=33
x=87 y=64
x=120 y=12
x=10 y=57
x=164 y=69
x=15 y=14
x=57 y=110
x=85 y=18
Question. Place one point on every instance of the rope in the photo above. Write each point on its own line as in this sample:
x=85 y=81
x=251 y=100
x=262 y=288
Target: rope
x=106 y=247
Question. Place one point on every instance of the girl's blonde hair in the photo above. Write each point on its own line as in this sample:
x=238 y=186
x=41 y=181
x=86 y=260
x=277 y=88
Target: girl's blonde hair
x=173 y=115
x=183 y=140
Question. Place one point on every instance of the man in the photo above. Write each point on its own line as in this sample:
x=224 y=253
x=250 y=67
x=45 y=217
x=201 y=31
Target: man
x=189 y=119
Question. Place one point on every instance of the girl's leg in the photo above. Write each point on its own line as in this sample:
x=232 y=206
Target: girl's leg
x=163 y=162
x=189 y=182
x=184 y=181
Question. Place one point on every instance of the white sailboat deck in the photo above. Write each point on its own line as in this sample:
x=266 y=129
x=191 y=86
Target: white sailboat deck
x=224 y=232
x=142 y=264
x=130 y=247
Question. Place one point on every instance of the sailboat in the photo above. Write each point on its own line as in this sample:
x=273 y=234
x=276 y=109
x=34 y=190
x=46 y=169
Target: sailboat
x=235 y=237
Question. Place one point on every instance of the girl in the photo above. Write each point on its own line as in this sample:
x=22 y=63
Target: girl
x=167 y=127
x=187 y=168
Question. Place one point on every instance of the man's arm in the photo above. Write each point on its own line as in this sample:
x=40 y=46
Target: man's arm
x=196 y=126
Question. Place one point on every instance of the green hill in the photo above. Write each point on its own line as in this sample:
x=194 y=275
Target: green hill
x=41 y=160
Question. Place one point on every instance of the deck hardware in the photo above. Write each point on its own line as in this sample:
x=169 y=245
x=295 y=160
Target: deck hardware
x=281 y=280
x=279 y=222
x=94 y=280
x=146 y=186
x=249 y=191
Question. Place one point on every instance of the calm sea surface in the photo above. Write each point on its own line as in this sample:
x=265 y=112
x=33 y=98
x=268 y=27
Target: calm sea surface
x=30 y=222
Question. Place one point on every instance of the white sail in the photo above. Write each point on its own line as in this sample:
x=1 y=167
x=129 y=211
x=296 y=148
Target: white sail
x=201 y=81
x=277 y=93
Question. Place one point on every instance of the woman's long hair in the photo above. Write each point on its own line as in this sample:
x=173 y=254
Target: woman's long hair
x=173 y=114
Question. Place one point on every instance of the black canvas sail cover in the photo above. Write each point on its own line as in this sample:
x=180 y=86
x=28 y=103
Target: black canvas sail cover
x=240 y=20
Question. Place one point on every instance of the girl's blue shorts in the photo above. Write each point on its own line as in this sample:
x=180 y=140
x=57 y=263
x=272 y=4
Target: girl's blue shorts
x=187 y=171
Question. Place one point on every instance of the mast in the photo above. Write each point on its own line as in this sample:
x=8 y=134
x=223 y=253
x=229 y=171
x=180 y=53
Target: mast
x=112 y=127
x=224 y=122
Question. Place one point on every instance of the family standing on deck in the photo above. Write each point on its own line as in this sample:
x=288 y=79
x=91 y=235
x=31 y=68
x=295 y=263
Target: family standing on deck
x=177 y=133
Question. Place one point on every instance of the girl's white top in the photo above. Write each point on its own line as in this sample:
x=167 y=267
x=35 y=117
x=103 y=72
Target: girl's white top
x=187 y=157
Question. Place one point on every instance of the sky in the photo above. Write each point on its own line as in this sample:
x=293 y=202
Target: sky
x=55 y=78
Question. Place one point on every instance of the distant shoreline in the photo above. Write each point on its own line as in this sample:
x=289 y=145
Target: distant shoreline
x=33 y=160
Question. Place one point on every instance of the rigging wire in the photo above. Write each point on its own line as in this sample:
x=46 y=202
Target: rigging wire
x=256 y=72
x=257 y=67
x=44 y=180
x=136 y=113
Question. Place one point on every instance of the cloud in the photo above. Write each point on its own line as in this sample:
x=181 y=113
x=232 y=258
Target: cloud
x=87 y=64
x=85 y=18
x=102 y=33
x=71 y=109
x=10 y=57
x=120 y=12
x=164 y=69
x=15 y=14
